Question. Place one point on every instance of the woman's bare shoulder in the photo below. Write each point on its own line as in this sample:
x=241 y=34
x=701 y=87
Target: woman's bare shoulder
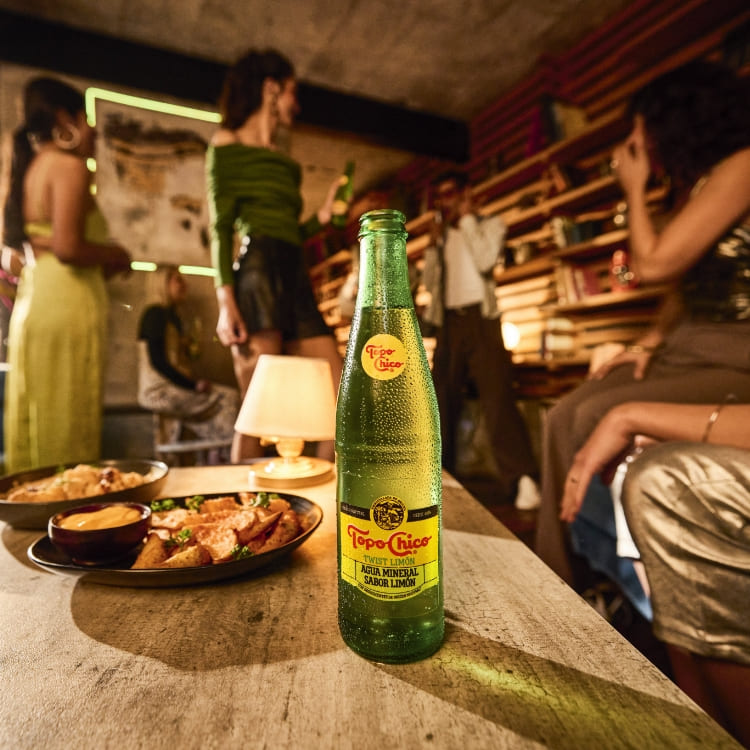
x=54 y=167
x=738 y=162
x=731 y=177
x=223 y=137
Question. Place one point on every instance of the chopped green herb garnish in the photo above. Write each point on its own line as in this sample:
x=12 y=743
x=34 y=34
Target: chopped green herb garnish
x=194 y=502
x=263 y=499
x=179 y=540
x=168 y=504
x=240 y=552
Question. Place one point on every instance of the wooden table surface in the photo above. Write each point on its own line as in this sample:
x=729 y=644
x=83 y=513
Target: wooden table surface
x=257 y=662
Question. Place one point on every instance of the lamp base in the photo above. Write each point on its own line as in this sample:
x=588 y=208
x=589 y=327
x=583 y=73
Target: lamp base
x=296 y=472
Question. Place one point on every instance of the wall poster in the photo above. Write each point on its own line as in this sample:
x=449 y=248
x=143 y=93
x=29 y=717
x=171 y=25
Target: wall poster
x=151 y=182
x=150 y=179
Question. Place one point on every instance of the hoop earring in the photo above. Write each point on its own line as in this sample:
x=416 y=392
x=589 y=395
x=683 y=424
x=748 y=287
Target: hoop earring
x=69 y=143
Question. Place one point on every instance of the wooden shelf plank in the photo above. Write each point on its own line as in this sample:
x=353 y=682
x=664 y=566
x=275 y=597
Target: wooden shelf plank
x=594 y=246
x=509 y=200
x=342 y=256
x=540 y=265
x=328 y=304
x=595 y=190
x=331 y=286
x=604 y=128
x=416 y=247
x=420 y=223
x=614 y=299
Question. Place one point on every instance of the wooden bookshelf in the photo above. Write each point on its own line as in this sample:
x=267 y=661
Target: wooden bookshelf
x=597 y=77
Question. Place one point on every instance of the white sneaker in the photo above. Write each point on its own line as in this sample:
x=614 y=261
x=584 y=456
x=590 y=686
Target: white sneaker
x=528 y=496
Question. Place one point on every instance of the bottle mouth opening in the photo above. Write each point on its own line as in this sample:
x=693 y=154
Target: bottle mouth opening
x=383 y=220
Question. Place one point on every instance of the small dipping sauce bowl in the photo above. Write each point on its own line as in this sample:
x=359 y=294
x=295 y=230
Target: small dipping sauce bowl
x=99 y=533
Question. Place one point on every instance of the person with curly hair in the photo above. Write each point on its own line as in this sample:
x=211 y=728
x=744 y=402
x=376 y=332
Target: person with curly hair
x=693 y=124
x=265 y=298
x=57 y=330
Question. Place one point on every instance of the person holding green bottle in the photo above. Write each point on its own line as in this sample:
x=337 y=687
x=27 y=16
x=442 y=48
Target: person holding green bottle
x=266 y=302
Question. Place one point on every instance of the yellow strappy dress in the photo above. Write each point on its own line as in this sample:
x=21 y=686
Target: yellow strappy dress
x=56 y=353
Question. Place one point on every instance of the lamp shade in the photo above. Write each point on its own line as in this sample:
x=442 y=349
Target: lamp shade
x=289 y=397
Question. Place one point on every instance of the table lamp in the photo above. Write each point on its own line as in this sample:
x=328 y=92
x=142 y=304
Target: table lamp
x=289 y=400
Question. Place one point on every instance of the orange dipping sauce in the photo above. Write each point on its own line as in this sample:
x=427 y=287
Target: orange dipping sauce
x=104 y=518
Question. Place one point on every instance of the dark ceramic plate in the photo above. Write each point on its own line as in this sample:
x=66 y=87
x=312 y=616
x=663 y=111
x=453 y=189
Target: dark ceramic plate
x=36 y=515
x=45 y=554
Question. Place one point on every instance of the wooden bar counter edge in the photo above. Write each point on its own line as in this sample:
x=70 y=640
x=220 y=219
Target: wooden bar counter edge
x=257 y=661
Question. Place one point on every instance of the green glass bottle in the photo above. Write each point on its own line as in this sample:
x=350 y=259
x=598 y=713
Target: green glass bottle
x=389 y=492
x=340 y=208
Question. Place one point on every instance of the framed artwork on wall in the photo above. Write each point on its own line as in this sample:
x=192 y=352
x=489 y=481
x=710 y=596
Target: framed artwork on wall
x=150 y=186
x=150 y=176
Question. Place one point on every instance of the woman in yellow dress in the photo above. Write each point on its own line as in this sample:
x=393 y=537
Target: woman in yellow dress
x=57 y=330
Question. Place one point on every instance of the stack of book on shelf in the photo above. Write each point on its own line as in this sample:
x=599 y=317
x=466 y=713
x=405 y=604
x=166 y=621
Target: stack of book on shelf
x=559 y=338
x=342 y=337
x=576 y=282
x=525 y=304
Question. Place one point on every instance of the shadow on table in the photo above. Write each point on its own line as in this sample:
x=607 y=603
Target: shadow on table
x=207 y=627
x=534 y=697
x=283 y=613
x=551 y=703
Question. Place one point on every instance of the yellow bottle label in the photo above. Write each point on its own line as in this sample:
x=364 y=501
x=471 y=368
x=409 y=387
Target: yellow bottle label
x=383 y=356
x=388 y=552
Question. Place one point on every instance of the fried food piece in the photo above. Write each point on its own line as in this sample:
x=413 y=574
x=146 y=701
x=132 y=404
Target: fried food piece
x=286 y=529
x=189 y=557
x=218 y=540
x=170 y=519
x=219 y=503
x=260 y=528
x=278 y=505
x=37 y=494
x=154 y=553
x=215 y=517
x=240 y=521
x=115 y=480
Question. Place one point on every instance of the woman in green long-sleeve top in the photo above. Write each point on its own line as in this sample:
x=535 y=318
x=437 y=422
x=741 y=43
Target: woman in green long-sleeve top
x=266 y=303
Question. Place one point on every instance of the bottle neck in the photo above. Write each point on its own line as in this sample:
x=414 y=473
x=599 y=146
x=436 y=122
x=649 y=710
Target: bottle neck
x=383 y=269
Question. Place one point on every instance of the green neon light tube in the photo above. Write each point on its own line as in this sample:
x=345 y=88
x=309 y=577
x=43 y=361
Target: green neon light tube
x=149 y=266
x=196 y=271
x=142 y=265
x=93 y=93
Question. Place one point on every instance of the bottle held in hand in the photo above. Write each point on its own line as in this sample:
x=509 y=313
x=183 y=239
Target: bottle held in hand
x=389 y=491
x=340 y=208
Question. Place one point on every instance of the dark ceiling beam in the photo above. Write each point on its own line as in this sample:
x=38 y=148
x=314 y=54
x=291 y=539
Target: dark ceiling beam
x=33 y=42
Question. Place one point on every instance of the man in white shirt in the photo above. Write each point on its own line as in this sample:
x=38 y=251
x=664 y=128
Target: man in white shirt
x=463 y=308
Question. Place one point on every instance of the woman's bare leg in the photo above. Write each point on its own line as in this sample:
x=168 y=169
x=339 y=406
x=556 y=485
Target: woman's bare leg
x=719 y=687
x=730 y=685
x=688 y=676
x=245 y=359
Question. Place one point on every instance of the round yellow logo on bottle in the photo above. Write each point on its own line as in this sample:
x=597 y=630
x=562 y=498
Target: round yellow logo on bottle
x=383 y=356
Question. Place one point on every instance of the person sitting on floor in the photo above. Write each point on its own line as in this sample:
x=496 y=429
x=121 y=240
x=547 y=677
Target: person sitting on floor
x=165 y=385
x=687 y=504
